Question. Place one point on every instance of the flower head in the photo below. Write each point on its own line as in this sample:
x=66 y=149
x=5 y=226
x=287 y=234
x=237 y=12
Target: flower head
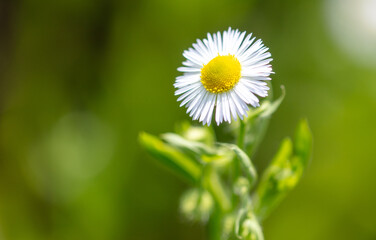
x=224 y=72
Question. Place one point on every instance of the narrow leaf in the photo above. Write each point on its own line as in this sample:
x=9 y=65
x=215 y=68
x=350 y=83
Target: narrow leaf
x=303 y=142
x=183 y=144
x=284 y=172
x=203 y=134
x=258 y=121
x=172 y=158
x=245 y=163
x=272 y=107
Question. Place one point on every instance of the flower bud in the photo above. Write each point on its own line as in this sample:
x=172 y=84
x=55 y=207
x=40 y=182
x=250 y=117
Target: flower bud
x=196 y=133
x=250 y=229
x=241 y=186
x=197 y=205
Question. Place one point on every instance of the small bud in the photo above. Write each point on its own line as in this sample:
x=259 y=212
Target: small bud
x=241 y=186
x=228 y=226
x=196 y=133
x=250 y=229
x=197 y=205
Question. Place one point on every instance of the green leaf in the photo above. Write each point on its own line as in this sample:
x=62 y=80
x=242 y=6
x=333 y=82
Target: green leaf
x=175 y=160
x=198 y=150
x=284 y=172
x=247 y=226
x=201 y=134
x=303 y=142
x=251 y=230
x=257 y=122
x=185 y=145
x=245 y=163
x=270 y=108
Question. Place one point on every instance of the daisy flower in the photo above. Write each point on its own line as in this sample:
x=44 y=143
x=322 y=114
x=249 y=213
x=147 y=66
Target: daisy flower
x=223 y=73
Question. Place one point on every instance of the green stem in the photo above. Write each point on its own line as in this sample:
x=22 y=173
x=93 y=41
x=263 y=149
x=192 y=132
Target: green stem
x=216 y=188
x=241 y=145
x=212 y=130
x=241 y=134
x=215 y=226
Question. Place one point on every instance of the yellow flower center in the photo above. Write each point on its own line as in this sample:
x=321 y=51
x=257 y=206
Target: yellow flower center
x=221 y=74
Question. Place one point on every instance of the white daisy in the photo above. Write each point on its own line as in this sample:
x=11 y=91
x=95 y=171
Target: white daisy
x=224 y=72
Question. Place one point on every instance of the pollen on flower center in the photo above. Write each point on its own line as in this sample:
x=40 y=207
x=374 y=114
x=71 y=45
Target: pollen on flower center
x=221 y=74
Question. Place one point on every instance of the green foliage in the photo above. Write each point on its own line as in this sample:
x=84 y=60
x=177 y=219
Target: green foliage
x=250 y=229
x=245 y=163
x=223 y=174
x=213 y=183
x=284 y=172
x=116 y=60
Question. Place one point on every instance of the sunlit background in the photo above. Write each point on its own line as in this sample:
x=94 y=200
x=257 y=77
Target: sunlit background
x=79 y=79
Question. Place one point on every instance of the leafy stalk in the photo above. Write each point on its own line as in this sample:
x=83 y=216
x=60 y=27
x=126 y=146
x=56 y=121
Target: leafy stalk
x=222 y=174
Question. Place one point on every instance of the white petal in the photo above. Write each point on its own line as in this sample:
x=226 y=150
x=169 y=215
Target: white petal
x=182 y=82
x=211 y=110
x=246 y=43
x=218 y=112
x=197 y=112
x=192 y=106
x=238 y=41
x=246 y=95
x=251 y=50
x=189 y=69
x=219 y=43
x=257 y=58
x=188 y=96
x=238 y=104
x=186 y=88
x=208 y=104
x=226 y=111
x=188 y=63
x=212 y=47
x=232 y=106
x=193 y=56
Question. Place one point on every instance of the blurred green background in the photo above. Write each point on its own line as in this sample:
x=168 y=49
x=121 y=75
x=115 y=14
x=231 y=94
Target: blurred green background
x=79 y=79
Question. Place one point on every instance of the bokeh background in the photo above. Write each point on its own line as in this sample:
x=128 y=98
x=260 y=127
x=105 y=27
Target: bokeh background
x=79 y=79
